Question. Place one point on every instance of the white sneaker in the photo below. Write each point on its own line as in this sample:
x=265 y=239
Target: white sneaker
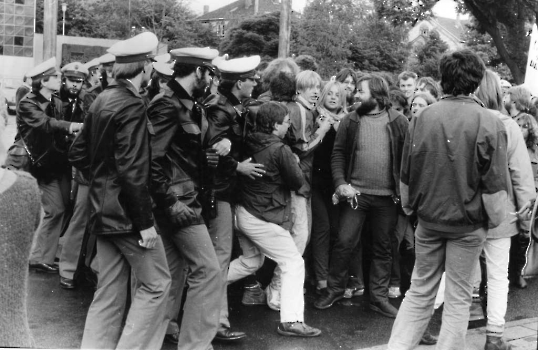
x=394 y=292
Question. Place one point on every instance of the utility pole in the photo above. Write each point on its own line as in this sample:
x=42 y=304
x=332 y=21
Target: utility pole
x=50 y=27
x=285 y=29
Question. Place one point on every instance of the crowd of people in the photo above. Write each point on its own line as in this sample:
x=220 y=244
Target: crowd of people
x=150 y=168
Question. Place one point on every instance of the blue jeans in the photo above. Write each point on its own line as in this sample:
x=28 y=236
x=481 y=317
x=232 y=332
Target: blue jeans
x=456 y=254
x=382 y=213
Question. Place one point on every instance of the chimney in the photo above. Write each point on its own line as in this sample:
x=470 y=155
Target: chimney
x=206 y=9
x=256 y=7
x=248 y=3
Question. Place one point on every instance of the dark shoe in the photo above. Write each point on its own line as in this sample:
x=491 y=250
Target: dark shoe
x=172 y=338
x=384 y=308
x=254 y=295
x=520 y=282
x=227 y=335
x=297 y=329
x=42 y=267
x=428 y=339
x=67 y=283
x=496 y=343
x=327 y=300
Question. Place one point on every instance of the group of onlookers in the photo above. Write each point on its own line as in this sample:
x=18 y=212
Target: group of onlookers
x=150 y=167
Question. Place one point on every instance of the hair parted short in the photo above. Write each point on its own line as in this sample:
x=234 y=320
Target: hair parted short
x=461 y=72
x=406 y=75
x=307 y=79
x=269 y=114
x=490 y=91
x=342 y=75
x=275 y=67
x=521 y=96
x=379 y=89
x=128 y=70
x=431 y=86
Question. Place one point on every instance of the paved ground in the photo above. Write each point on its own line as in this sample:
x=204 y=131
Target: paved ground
x=57 y=319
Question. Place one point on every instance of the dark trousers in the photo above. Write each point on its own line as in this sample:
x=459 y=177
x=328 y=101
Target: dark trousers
x=382 y=213
x=324 y=230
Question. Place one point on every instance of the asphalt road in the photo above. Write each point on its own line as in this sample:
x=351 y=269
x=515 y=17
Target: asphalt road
x=57 y=319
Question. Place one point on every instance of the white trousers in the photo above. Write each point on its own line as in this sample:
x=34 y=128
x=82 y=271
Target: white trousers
x=260 y=238
x=497 y=253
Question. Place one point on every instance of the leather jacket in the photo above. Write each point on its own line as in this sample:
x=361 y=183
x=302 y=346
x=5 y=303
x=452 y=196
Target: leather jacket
x=41 y=126
x=177 y=157
x=226 y=120
x=113 y=152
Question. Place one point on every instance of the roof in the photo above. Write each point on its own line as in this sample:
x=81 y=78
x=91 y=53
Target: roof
x=239 y=9
x=453 y=27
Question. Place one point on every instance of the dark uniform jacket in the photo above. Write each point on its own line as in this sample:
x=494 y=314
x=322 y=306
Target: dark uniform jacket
x=226 y=120
x=177 y=156
x=41 y=126
x=113 y=152
x=269 y=198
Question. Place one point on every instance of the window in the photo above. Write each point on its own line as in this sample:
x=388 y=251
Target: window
x=19 y=41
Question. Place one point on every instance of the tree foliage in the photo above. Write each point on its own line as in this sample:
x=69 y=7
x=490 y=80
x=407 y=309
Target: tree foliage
x=171 y=20
x=404 y=12
x=426 y=60
x=483 y=45
x=254 y=36
x=388 y=52
x=508 y=23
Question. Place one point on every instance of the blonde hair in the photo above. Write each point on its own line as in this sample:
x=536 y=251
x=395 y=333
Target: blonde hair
x=342 y=106
x=307 y=79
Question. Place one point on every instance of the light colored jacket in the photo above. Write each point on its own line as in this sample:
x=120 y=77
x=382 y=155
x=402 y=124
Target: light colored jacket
x=521 y=179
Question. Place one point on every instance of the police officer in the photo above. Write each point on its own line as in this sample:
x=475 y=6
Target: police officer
x=42 y=131
x=227 y=122
x=178 y=164
x=74 y=109
x=113 y=150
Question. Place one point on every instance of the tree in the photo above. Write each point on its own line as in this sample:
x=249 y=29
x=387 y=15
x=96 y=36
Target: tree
x=253 y=36
x=404 y=12
x=426 y=62
x=483 y=45
x=507 y=22
x=171 y=20
x=388 y=52
x=326 y=29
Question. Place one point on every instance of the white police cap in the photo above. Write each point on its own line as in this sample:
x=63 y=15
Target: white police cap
x=200 y=56
x=107 y=58
x=136 y=49
x=240 y=68
x=75 y=70
x=92 y=64
x=43 y=69
x=164 y=68
x=163 y=58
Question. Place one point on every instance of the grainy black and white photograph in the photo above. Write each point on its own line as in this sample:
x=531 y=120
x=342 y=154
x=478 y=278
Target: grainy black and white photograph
x=269 y=174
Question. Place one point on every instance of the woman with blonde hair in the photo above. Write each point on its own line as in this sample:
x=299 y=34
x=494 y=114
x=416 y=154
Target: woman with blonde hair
x=331 y=106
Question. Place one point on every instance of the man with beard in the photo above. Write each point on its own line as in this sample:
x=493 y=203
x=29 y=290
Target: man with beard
x=178 y=163
x=42 y=133
x=74 y=110
x=366 y=170
x=113 y=151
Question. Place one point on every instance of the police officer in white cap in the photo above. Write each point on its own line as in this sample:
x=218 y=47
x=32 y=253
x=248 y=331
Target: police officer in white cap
x=113 y=151
x=94 y=78
x=40 y=126
x=179 y=162
x=162 y=73
x=227 y=122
